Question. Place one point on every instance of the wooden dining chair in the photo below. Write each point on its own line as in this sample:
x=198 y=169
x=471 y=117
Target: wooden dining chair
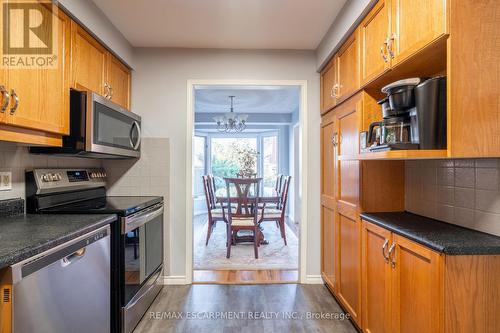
x=246 y=214
x=214 y=212
x=277 y=213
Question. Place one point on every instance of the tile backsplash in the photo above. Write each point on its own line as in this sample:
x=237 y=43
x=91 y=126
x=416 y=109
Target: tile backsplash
x=16 y=159
x=464 y=192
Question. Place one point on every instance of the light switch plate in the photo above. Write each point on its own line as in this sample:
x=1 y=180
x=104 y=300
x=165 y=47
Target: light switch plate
x=5 y=181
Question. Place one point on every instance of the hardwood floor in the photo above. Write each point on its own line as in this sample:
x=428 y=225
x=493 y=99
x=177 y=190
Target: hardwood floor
x=287 y=308
x=245 y=277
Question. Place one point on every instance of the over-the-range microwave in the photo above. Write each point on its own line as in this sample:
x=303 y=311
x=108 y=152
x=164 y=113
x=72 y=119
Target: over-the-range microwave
x=99 y=128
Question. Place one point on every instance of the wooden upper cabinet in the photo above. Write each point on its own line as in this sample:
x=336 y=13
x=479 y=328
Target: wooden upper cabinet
x=328 y=85
x=118 y=82
x=88 y=60
x=376 y=279
x=374 y=34
x=417 y=288
x=40 y=96
x=415 y=24
x=347 y=63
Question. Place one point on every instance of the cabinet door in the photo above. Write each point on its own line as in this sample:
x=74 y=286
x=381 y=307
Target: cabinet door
x=374 y=32
x=348 y=68
x=415 y=24
x=348 y=122
x=348 y=267
x=88 y=60
x=3 y=77
x=376 y=278
x=349 y=264
x=328 y=152
x=417 y=294
x=43 y=93
x=118 y=80
x=328 y=86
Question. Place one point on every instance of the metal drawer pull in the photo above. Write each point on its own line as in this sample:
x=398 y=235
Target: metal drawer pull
x=16 y=104
x=6 y=96
x=384 y=247
x=391 y=257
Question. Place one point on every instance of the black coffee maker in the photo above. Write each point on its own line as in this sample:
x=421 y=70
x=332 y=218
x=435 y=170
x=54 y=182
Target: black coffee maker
x=414 y=116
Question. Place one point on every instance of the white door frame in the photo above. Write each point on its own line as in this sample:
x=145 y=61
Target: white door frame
x=303 y=153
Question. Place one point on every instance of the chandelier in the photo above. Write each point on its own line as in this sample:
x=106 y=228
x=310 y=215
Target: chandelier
x=231 y=122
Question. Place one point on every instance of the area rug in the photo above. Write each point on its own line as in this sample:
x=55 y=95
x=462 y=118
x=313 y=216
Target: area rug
x=274 y=255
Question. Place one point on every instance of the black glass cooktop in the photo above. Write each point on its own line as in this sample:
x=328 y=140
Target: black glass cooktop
x=107 y=205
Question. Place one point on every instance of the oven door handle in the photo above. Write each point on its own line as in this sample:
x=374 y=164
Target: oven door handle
x=136 y=221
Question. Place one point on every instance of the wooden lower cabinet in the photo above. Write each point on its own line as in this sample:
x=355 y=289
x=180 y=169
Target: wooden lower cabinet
x=376 y=279
x=328 y=250
x=402 y=284
x=416 y=288
x=407 y=287
x=349 y=265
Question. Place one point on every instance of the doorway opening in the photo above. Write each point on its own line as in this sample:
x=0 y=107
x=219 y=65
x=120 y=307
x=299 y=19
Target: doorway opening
x=267 y=148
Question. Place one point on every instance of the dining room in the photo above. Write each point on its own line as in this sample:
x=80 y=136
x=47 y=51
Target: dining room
x=246 y=197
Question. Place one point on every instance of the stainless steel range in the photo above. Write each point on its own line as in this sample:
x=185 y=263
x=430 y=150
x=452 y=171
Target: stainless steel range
x=136 y=239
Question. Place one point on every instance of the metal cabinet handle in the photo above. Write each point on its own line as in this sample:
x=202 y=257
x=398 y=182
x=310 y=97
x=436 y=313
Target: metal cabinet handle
x=390 y=43
x=383 y=49
x=335 y=140
x=68 y=260
x=336 y=90
x=6 y=96
x=110 y=92
x=16 y=104
x=391 y=257
x=384 y=247
x=332 y=92
x=107 y=91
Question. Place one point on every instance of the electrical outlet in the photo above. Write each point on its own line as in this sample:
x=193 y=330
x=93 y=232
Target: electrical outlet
x=5 y=181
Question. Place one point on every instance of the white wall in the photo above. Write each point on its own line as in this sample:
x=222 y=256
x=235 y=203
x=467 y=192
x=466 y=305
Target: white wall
x=160 y=97
x=94 y=19
x=345 y=22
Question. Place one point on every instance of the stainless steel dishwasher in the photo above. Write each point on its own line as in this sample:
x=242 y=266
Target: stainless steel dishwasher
x=65 y=289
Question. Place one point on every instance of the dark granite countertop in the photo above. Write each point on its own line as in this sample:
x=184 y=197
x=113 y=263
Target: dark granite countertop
x=439 y=236
x=24 y=236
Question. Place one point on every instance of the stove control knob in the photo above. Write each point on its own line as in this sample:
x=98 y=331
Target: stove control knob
x=46 y=177
x=58 y=176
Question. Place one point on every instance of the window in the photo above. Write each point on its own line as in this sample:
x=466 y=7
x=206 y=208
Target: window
x=199 y=163
x=229 y=156
x=270 y=155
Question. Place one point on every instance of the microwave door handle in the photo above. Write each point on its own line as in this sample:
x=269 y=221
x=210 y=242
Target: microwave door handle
x=136 y=145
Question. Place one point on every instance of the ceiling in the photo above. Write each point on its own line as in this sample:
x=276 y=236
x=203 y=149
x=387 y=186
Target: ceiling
x=248 y=99
x=231 y=24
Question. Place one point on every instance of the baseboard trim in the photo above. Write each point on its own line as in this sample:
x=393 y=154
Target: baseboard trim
x=313 y=279
x=175 y=280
